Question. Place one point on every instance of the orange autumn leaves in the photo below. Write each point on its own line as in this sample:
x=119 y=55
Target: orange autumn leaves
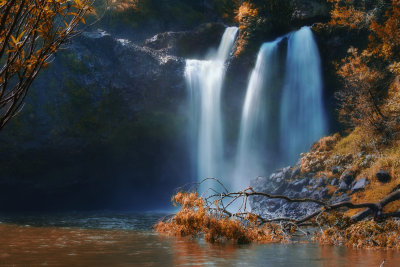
x=246 y=17
x=344 y=13
x=364 y=234
x=195 y=219
x=370 y=75
x=30 y=34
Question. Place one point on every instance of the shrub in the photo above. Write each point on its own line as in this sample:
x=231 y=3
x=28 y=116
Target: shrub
x=194 y=220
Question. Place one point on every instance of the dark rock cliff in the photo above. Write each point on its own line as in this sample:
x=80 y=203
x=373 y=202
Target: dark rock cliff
x=103 y=122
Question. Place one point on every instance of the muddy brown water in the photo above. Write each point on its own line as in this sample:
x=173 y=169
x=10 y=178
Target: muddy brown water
x=127 y=240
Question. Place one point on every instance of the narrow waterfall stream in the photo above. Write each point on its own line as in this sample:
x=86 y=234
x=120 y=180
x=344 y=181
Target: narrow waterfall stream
x=205 y=79
x=254 y=137
x=302 y=114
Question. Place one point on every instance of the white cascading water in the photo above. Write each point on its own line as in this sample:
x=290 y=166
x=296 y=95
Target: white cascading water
x=255 y=122
x=293 y=124
x=205 y=80
x=302 y=115
x=282 y=113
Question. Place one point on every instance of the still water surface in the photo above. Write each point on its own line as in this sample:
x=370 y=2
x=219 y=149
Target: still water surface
x=127 y=240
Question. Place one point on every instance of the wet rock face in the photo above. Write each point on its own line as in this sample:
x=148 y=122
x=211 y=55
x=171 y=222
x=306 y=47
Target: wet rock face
x=188 y=44
x=383 y=176
x=106 y=107
x=99 y=68
x=348 y=176
x=343 y=186
x=359 y=185
x=336 y=169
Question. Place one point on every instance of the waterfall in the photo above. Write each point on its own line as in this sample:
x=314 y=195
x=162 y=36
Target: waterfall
x=282 y=112
x=205 y=79
x=302 y=115
x=256 y=122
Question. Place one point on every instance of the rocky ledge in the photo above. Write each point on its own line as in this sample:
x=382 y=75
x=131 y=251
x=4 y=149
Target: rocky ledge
x=291 y=183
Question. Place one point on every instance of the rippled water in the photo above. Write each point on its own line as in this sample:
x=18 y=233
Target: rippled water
x=127 y=240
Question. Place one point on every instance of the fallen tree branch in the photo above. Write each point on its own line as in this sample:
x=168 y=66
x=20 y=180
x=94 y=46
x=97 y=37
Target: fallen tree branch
x=370 y=208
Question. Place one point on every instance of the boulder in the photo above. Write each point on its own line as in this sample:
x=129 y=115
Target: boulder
x=360 y=184
x=343 y=186
x=275 y=176
x=320 y=194
x=383 y=176
x=295 y=171
x=336 y=169
x=273 y=205
x=287 y=173
x=321 y=182
x=298 y=185
x=348 y=176
x=281 y=189
x=341 y=198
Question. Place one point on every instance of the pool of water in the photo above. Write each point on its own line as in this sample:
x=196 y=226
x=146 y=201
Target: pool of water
x=128 y=240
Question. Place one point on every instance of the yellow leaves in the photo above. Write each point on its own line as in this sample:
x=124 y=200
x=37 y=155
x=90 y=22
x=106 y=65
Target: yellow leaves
x=394 y=68
x=245 y=10
x=82 y=5
x=16 y=43
x=17 y=40
x=348 y=16
x=82 y=19
x=31 y=38
x=78 y=4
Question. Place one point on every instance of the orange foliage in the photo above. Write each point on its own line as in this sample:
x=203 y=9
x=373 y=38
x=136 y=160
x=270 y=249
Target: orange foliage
x=364 y=234
x=315 y=160
x=30 y=34
x=385 y=38
x=246 y=16
x=360 y=104
x=345 y=14
x=326 y=143
x=194 y=219
x=245 y=11
x=369 y=74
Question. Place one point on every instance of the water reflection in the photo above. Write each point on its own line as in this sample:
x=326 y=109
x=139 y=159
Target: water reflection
x=77 y=246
